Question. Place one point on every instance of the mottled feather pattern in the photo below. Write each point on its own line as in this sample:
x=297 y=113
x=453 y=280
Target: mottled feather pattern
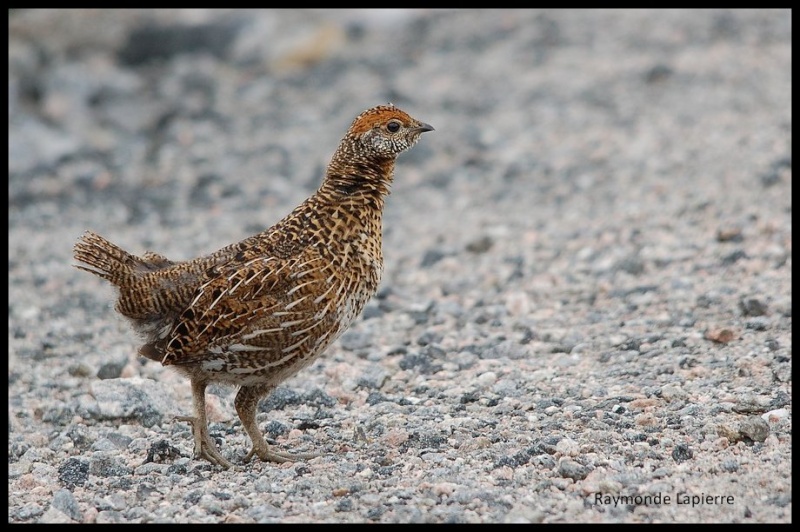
x=256 y=312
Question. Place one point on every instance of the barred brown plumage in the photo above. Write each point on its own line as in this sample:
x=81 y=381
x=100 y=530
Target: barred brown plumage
x=255 y=313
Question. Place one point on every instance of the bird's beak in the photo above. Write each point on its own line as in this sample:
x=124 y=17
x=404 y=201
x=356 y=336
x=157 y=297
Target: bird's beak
x=423 y=127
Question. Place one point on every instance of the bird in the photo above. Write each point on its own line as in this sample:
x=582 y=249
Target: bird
x=256 y=312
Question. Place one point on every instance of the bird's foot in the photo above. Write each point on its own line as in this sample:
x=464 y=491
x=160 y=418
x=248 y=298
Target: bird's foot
x=203 y=446
x=267 y=455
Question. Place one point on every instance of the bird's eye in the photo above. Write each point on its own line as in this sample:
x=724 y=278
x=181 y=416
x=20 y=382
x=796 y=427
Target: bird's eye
x=393 y=126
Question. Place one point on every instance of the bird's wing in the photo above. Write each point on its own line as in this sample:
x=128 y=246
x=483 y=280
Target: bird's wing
x=245 y=306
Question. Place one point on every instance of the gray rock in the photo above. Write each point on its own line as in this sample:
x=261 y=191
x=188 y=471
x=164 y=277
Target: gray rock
x=66 y=503
x=135 y=398
x=374 y=377
x=74 y=472
x=108 y=464
x=754 y=428
x=571 y=469
x=752 y=306
x=354 y=340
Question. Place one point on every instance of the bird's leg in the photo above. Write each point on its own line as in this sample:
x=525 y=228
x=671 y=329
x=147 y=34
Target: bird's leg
x=203 y=446
x=246 y=405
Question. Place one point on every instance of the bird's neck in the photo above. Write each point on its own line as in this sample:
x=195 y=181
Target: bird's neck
x=357 y=181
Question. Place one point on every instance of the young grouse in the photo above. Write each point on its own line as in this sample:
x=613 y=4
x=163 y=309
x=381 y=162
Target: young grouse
x=255 y=313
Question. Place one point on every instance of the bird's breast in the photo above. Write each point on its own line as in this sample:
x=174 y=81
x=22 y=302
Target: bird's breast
x=326 y=296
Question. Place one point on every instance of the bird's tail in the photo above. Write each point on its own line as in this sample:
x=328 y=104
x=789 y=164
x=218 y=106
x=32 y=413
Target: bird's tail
x=105 y=259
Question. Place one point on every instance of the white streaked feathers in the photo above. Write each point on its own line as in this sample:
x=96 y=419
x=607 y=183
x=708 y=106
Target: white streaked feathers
x=311 y=317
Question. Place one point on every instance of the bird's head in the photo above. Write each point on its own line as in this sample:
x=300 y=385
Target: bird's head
x=386 y=131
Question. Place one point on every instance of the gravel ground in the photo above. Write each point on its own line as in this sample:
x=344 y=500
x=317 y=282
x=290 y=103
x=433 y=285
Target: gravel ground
x=586 y=309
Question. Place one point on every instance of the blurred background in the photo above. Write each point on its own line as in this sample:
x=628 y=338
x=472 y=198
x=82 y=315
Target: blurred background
x=580 y=147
